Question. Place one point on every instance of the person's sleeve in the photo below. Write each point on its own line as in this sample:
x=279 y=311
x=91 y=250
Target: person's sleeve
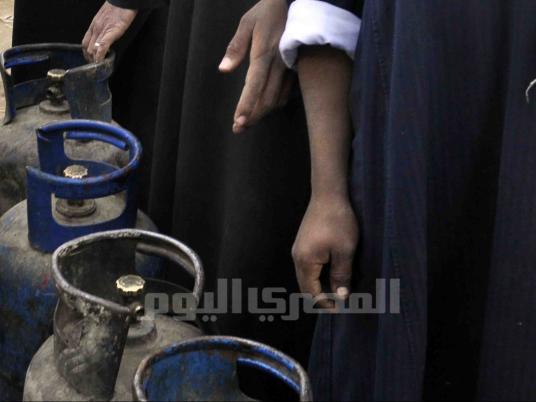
x=318 y=22
x=139 y=4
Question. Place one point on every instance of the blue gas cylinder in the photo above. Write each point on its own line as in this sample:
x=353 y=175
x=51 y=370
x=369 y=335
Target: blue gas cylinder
x=205 y=369
x=66 y=199
x=44 y=83
x=106 y=320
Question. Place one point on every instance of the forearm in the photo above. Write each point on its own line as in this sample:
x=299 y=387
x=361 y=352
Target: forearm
x=325 y=75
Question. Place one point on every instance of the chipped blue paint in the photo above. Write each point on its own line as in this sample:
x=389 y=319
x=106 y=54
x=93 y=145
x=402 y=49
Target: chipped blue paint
x=205 y=369
x=27 y=301
x=104 y=180
x=259 y=364
x=99 y=362
x=79 y=79
x=208 y=377
x=29 y=234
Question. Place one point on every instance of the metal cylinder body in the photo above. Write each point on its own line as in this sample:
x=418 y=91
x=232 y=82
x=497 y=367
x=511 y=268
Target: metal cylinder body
x=67 y=198
x=44 y=382
x=205 y=369
x=18 y=149
x=27 y=292
x=104 y=325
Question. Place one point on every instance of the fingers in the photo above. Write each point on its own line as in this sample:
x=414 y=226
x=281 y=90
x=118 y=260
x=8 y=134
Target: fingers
x=86 y=41
x=90 y=37
x=98 y=41
x=89 y=48
x=97 y=45
x=269 y=97
x=340 y=273
x=256 y=78
x=238 y=47
x=101 y=50
x=104 y=42
x=261 y=27
x=308 y=267
x=308 y=275
x=288 y=83
x=108 y=26
x=274 y=95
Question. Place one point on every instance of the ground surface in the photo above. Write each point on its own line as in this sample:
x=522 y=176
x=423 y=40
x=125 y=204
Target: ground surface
x=6 y=28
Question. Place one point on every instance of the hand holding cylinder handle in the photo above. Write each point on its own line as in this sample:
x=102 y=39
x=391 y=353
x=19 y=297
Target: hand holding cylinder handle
x=268 y=82
x=109 y=25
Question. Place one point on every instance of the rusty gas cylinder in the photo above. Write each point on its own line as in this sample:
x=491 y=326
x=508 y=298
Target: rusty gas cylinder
x=103 y=324
x=65 y=86
x=206 y=369
x=66 y=199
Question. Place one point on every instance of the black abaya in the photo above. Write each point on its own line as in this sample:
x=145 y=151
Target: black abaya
x=236 y=199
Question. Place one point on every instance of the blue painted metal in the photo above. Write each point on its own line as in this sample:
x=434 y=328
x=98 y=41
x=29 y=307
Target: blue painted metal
x=98 y=363
x=27 y=301
x=27 y=293
x=205 y=369
x=45 y=233
x=82 y=92
x=85 y=85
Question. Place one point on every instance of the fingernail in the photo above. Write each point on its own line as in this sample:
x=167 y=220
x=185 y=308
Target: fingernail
x=241 y=120
x=343 y=292
x=225 y=64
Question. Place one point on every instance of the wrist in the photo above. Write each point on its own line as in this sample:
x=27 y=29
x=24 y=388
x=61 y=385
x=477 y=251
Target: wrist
x=329 y=181
x=335 y=195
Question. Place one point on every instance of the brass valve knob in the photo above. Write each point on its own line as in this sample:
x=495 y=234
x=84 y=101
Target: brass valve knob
x=56 y=74
x=76 y=208
x=55 y=102
x=130 y=285
x=75 y=172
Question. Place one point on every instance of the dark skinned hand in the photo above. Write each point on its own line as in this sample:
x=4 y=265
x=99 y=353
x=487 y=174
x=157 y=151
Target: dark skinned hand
x=268 y=82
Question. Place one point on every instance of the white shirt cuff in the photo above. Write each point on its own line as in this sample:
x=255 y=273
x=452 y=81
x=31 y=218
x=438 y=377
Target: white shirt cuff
x=314 y=22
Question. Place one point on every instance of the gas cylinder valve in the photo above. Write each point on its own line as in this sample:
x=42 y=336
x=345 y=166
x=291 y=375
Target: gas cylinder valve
x=131 y=287
x=63 y=86
x=76 y=208
x=55 y=97
x=75 y=172
x=97 y=344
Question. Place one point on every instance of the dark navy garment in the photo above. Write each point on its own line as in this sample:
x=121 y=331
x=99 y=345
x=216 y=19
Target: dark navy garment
x=444 y=184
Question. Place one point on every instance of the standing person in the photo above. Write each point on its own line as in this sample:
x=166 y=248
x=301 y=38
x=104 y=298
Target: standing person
x=236 y=199
x=135 y=84
x=441 y=181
